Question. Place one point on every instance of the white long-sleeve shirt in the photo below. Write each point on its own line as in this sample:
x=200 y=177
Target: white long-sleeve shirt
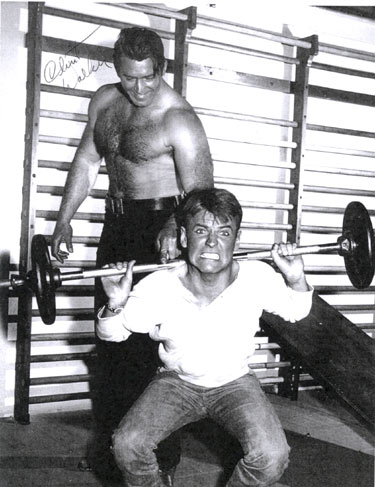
x=206 y=345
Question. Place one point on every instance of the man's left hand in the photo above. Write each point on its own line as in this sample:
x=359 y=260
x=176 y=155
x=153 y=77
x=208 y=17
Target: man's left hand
x=166 y=244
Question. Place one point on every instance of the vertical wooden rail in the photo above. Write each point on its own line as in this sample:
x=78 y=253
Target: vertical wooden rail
x=23 y=347
x=301 y=93
x=289 y=388
x=4 y=313
x=181 y=49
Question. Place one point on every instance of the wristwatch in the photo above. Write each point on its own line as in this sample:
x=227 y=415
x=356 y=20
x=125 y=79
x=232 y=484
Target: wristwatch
x=115 y=311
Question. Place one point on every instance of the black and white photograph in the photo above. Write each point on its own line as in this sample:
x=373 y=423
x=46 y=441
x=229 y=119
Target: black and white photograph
x=187 y=252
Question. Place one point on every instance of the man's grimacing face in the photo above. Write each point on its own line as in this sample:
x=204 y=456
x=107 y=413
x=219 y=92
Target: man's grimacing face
x=210 y=242
x=139 y=80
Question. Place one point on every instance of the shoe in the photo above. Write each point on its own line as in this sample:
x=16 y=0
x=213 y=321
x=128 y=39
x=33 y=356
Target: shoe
x=167 y=476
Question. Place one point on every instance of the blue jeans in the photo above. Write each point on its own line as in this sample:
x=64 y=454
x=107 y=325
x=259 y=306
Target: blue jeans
x=169 y=403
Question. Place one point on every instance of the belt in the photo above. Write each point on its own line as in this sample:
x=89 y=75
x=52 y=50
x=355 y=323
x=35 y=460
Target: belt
x=119 y=206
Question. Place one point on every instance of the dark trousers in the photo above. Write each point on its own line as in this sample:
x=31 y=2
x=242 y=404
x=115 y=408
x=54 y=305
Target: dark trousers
x=124 y=369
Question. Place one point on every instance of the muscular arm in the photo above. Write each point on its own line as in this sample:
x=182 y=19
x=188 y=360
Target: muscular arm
x=191 y=152
x=80 y=180
x=192 y=157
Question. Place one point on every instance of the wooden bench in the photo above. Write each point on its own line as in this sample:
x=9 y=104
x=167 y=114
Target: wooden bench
x=334 y=351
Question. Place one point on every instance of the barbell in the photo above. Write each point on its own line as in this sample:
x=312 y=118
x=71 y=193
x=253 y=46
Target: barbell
x=356 y=245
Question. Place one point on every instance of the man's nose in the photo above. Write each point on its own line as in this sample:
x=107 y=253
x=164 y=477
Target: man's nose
x=139 y=85
x=211 y=240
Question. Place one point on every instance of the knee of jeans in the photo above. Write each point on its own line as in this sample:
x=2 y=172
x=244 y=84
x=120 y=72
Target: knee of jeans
x=128 y=446
x=269 y=464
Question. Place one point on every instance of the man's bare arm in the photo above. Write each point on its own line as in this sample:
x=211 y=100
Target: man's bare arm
x=192 y=157
x=81 y=178
x=191 y=151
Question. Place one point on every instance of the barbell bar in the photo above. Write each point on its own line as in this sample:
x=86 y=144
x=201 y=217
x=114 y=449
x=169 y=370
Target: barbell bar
x=356 y=245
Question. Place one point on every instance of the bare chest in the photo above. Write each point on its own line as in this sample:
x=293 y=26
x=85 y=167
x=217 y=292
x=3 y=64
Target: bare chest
x=134 y=138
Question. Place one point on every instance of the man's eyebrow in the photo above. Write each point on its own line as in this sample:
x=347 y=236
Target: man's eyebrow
x=222 y=227
x=136 y=77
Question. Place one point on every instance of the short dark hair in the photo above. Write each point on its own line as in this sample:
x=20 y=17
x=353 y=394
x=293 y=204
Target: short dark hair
x=139 y=43
x=221 y=203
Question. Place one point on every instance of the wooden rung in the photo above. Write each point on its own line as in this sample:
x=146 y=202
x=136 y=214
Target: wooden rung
x=268 y=346
x=269 y=365
x=266 y=226
x=266 y=206
x=245 y=117
x=52 y=215
x=280 y=143
x=62 y=379
x=52 y=139
x=270 y=380
x=60 y=90
x=56 y=337
x=329 y=270
x=79 y=264
x=327 y=290
x=354 y=308
x=366 y=326
x=339 y=69
x=58 y=191
x=93 y=241
x=339 y=130
x=347 y=52
x=327 y=209
x=62 y=357
x=339 y=191
x=280 y=164
x=242 y=50
x=64 y=166
x=73 y=396
x=76 y=117
x=74 y=314
x=341 y=171
x=323 y=230
x=75 y=290
x=339 y=150
x=254 y=183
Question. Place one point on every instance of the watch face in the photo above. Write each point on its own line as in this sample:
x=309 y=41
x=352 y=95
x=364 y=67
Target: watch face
x=116 y=311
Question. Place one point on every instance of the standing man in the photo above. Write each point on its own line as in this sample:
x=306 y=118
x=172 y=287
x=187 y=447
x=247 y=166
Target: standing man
x=155 y=150
x=206 y=340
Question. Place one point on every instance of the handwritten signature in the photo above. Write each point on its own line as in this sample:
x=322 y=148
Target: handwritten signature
x=71 y=64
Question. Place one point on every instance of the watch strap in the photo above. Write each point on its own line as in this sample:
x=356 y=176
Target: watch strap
x=114 y=310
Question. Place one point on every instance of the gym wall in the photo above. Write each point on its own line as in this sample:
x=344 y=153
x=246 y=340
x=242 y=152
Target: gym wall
x=241 y=68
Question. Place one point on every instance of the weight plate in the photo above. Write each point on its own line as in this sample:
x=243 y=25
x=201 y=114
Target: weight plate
x=359 y=263
x=42 y=279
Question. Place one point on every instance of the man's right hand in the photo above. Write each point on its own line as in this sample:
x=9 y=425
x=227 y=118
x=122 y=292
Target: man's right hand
x=62 y=233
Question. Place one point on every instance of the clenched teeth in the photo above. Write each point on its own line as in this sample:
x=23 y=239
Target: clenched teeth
x=210 y=256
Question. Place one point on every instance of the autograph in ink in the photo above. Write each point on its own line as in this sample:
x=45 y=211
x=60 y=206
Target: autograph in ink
x=54 y=70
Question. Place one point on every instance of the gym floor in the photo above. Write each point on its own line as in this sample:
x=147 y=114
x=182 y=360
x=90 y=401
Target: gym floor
x=330 y=448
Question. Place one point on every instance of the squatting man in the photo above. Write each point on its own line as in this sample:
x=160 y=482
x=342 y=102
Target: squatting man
x=204 y=313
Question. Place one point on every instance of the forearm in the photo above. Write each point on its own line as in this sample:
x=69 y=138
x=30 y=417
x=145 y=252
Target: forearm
x=80 y=181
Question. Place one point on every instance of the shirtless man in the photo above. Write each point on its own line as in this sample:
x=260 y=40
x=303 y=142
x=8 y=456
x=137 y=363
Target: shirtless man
x=155 y=150
x=153 y=142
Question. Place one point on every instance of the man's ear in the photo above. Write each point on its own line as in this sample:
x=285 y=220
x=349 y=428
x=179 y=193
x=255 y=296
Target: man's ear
x=238 y=238
x=165 y=67
x=183 y=238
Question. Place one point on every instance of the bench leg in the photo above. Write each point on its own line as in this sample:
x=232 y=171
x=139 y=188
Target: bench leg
x=291 y=376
